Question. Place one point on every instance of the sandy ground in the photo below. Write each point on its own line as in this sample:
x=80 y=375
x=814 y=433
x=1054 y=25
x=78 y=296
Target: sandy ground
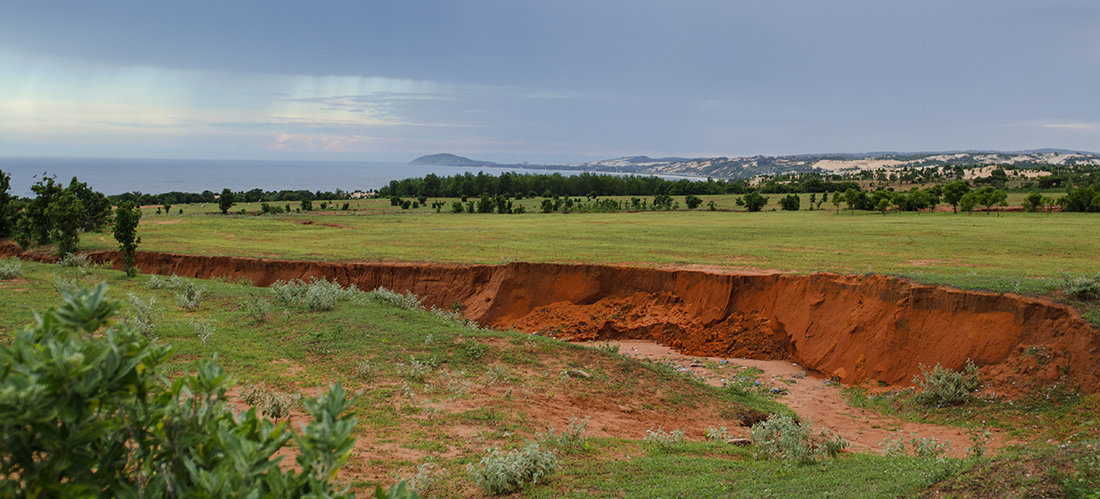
x=817 y=400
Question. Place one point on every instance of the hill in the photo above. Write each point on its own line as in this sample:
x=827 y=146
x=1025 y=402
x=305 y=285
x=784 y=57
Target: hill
x=446 y=159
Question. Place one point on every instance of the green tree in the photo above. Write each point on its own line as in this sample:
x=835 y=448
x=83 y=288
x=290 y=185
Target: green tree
x=692 y=201
x=7 y=211
x=85 y=410
x=65 y=217
x=1033 y=202
x=836 y=201
x=37 y=221
x=989 y=196
x=790 y=202
x=953 y=193
x=127 y=216
x=95 y=207
x=226 y=200
x=754 y=201
x=968 y=201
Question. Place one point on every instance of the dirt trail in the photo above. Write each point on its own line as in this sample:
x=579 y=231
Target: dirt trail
x=853 y=329
x=816 y=399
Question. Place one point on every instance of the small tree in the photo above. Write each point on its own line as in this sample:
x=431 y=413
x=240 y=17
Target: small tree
x=953 y=193
x=7 y=214
x=790 y=202
x=692 y=202
x=836 y=201
x=968 y=201
x=127 y=216
x=1033 y=202
x=65 y=213
x=754 y=201
x=226 y=200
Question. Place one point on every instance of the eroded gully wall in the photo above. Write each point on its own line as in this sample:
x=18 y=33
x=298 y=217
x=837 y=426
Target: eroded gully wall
x=856 y=328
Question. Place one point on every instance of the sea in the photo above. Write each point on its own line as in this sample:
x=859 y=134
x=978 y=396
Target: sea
x=155 y=176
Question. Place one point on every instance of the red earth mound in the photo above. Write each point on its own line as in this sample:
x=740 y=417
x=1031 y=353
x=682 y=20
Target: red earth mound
x=854 y=328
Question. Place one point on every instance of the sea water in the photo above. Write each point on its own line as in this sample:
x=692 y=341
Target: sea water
x=155 y=176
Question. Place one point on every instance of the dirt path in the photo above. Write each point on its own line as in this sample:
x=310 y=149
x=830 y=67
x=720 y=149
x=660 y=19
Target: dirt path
x=813 y=398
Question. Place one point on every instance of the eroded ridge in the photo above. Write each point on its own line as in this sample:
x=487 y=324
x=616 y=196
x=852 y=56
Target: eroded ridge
x=853 y=328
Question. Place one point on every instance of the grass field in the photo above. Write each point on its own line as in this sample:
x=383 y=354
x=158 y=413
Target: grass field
x=1016 y=252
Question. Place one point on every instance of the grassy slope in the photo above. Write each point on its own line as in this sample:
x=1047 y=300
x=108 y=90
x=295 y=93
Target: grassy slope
x=1013 y=252
x=469 y=402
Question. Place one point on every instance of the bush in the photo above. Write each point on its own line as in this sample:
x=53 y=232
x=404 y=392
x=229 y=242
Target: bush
x=406 y=301
x=190 y=297
x=790 y=202
x=10 y=268
x=664 y=440
x=943 y=387
x=692 y=201
x=85 y=411
x=319 y=294
x=142 y=315
x=256 y=308
x=571 y=439
x=505 y=473
x=1082 y=288
x=780 y=437
x=73 y=260
x=753 y=201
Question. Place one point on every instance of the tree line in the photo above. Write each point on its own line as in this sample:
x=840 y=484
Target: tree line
x=57 y=215
x=520 y=185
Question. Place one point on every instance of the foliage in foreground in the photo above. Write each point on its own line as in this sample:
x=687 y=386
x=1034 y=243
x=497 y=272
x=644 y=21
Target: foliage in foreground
x=84 y=412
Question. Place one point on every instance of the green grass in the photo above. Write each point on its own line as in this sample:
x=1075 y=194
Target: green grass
x=1013 y=252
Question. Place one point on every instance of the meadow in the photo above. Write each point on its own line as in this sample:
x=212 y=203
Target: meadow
x=1008 y=252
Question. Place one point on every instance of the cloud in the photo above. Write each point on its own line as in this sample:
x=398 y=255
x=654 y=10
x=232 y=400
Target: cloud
x=1079 y=126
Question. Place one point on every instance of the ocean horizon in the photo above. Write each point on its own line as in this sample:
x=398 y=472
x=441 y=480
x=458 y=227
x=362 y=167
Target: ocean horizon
x=155 y=176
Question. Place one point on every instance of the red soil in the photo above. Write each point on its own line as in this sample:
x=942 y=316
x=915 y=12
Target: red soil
x=852 y=328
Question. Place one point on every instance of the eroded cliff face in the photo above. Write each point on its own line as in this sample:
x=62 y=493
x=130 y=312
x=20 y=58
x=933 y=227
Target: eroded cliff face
x=854 y=328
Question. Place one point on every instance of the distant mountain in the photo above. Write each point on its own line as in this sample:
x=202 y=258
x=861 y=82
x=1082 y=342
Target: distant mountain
x=445 y=159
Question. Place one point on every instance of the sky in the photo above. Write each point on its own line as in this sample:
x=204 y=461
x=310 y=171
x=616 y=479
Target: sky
x=559 y=81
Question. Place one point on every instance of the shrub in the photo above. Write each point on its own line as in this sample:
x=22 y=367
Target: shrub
x=571 y=439
x=10 y=268
x=322 y=294
x=716 y=434
x=929 y=447
x=1082 y=288
x=74 y=260
x=203 y=329
x=406 y=301
x=790 y=202
x=692 y=201
x=142 y=315
x=276 y=406
x=365 y=370
x=943 y=387
x=664 y=440
x=500 y=473
x=753 y=201
x=190 y=297
x=257 y=308
x=319 y=294
x=781 y=437
x=102 y=420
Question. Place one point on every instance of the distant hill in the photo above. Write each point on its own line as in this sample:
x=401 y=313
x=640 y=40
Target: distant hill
x=751 y=166
x=445 y=159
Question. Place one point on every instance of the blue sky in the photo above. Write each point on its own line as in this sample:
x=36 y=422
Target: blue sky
x=544 y=81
